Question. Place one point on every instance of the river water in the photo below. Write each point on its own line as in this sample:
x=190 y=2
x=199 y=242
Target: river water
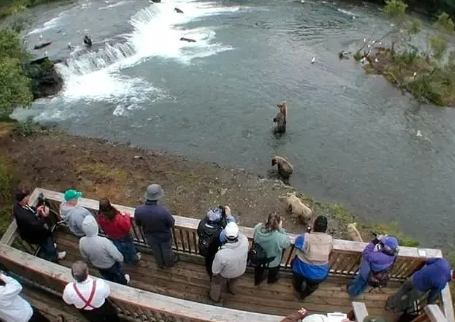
x=352 y=138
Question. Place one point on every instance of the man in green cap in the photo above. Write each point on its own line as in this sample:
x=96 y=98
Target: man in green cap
x=73 y=214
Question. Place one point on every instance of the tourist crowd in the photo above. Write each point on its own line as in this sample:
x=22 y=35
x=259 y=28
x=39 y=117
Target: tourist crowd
x=225 y=249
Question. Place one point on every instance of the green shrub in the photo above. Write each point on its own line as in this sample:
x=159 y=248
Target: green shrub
x=28 y=127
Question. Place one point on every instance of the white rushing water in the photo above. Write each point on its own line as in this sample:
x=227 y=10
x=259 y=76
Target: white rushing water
x=157 y=32
x=97 y=75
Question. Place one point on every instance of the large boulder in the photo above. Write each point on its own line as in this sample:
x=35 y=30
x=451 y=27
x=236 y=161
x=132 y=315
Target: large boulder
x=45 y=80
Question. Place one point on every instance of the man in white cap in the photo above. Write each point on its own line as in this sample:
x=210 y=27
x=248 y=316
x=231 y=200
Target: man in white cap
x=157 y=222
x=229 y=263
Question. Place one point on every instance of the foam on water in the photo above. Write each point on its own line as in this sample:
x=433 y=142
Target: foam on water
x=113 y=5
x=47 y=25
x=157 y=31
x=346 y=12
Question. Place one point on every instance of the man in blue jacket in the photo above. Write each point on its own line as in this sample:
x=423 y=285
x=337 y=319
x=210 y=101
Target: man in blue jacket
x=310 y=267
x=157 y=222
x=431 y=278
x=378 y=258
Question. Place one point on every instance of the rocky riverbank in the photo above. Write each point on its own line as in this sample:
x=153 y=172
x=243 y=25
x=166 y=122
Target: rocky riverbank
x=56 y=161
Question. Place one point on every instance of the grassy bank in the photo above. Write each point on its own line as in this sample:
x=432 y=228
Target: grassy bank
x=344 y=217
x=10 y=7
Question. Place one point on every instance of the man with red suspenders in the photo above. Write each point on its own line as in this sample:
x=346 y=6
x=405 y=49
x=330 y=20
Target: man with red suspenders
x=89 y=295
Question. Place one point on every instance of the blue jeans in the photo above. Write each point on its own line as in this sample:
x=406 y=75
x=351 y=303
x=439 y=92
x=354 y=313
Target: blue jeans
x=114 y=274
x=126 y=247
x=357 y=286
x=48 y=250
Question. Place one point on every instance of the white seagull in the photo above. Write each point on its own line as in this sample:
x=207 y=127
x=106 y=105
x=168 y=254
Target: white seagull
x=313 y=60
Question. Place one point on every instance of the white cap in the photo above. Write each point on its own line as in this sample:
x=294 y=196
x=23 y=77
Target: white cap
x=316 y=318
x=232 y=230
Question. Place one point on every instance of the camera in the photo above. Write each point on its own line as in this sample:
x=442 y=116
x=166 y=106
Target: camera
x=223 y=211
x=41 y=200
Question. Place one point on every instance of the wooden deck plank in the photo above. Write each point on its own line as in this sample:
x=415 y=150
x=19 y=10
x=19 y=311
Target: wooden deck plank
x=187 y=280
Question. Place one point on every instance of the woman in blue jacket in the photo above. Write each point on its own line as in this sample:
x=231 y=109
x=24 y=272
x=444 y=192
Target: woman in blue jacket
x=378 y=258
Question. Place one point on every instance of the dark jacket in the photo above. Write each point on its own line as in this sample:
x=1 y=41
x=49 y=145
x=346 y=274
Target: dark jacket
x=432 y=277
x=32 y=227
x=155 y=220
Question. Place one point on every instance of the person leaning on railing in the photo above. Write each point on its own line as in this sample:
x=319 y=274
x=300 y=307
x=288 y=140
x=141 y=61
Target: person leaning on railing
x=89 y=295
x=431 y=279
x=310 y=266
x=211 y=234
x=117 y=226
x=273 y=239
x=34 y=227
x=13 y=308
x=229 y=263
x=378 y=259
x=72 y=213
x=157 y=222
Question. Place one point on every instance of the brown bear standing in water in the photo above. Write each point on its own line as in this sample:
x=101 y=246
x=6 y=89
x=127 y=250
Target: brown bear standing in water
x=285 y=169
x=281 y=118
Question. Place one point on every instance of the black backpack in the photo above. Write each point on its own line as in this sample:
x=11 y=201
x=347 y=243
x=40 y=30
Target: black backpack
x=257 y=256
x=206 y=237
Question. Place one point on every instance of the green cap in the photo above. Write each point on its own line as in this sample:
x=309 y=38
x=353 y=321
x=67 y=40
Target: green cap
x=371 y=318
x=72 y=194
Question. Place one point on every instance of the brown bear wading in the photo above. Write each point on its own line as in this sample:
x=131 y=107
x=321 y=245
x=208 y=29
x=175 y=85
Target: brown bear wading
x=285 y=169
x=281 y=118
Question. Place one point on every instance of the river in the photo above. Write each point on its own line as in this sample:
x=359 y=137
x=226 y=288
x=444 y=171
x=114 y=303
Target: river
x=352 y=138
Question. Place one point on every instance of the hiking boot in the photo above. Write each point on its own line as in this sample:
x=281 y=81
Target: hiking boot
x=230 y=291
x=61 y=255
x=139 y=256
x=298 y=295
x=127 y=277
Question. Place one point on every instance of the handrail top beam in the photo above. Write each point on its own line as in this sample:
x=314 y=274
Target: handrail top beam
x=340 y=245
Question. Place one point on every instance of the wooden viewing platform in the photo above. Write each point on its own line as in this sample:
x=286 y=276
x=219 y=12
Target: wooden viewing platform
x=180 y=293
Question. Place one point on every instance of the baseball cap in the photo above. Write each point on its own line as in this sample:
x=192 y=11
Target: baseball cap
x=232 y=230
x=390 y=242
x=72 y=194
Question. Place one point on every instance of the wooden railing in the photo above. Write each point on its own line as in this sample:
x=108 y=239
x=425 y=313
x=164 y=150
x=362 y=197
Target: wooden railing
x=345 y=259
x=130 y=302
x=358 y=313
x=431 y=313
